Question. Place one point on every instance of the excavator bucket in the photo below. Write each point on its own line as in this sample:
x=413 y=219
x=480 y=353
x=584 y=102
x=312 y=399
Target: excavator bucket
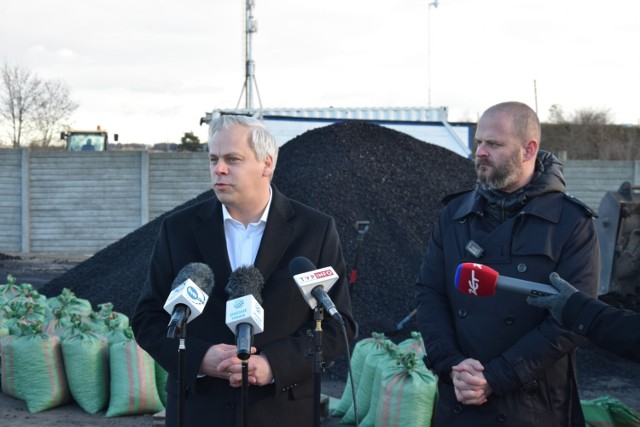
x=618 y=227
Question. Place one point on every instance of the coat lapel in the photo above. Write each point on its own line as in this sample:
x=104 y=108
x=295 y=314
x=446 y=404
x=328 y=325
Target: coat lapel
x=209 y=236
x=277 y=234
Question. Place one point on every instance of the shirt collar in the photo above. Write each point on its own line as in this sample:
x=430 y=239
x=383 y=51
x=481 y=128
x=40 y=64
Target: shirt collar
x=226 y=216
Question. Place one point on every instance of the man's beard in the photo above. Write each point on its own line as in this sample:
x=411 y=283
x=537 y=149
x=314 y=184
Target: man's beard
x=496 y=177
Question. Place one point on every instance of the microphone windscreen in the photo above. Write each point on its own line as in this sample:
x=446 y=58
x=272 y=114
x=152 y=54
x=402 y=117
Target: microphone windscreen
x=245 y=280
x=300 y=265
x=199 y=273
x=476 y=279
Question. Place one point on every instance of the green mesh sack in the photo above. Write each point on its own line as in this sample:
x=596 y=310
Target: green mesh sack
x=9 y=290
x=118 y=335
x=7 y=367
x=86 y=361
x=372 y=363
x=71 y=303
x=39 y=371
x=4 y=328
x=21 y=311
x=622 y=415
x=95 y=323
x=112 y=319
x=368 y=418
x=407 y=395
x=596 y=414
x=133 y=380
x=60 y=323
x=360 y=352
x=414 y=344
x=31 y=294
x=161 y=383
x=607 y=411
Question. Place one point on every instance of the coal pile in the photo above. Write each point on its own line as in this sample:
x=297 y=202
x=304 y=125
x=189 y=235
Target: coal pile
x=354 y=171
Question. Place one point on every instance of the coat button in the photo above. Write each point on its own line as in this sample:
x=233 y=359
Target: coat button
x=462 y=313
x=457 y=408
x=230 y=405
x=509 y=321
x=522 y=268
x=501 y=418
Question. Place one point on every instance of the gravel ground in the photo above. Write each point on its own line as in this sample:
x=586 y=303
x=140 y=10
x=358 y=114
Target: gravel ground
x=356 y=172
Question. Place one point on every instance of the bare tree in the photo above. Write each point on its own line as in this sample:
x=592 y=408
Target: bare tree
x=53 y=106
x=592 y=117
x=18 y=100
x=556 y=114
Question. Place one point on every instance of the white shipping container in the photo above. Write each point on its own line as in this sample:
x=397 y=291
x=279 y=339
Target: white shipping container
x=426 y=124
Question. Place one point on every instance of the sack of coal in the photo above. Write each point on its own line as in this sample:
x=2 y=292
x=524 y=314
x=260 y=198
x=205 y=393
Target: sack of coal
x=407 y=394
x=361 y=350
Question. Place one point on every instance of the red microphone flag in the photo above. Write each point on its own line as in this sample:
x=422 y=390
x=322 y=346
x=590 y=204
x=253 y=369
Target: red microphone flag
x=476 y=279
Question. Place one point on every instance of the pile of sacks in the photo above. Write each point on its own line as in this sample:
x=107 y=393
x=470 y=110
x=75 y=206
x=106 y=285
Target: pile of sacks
x=392 y=385
x=55 y=350
x=394 y=388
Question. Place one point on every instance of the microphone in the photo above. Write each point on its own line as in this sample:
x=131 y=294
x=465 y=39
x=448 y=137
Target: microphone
x=244 y=315
x=189 y=294
x=481 y=281
x=314 y=284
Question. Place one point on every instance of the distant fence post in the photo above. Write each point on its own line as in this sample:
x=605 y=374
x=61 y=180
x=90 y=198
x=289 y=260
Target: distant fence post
x=144 y=187
x=25 y=191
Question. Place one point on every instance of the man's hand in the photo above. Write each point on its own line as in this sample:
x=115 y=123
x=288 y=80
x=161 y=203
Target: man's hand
x=258 y=370
x=221 y=361
x=469 y=382
x=554 y=303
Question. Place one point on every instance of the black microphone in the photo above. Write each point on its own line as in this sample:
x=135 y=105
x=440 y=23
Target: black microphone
x=245 y=315
x=312 y=283
x=189 y=294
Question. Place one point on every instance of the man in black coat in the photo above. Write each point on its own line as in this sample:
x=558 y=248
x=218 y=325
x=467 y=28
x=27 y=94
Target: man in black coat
x=615 y=330
x=249 y=223
x=500 y=361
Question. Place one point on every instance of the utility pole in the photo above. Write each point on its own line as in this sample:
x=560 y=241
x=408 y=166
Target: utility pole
x=433 y=3
x=535 y=93
x=251 y=26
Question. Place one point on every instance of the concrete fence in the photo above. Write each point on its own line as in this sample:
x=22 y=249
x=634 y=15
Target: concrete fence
x=80 y=202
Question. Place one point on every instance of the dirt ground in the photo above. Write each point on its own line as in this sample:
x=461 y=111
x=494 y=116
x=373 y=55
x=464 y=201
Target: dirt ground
x=599 y=373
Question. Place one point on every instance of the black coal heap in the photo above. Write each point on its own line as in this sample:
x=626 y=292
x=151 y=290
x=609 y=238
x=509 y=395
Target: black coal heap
x=364 y=172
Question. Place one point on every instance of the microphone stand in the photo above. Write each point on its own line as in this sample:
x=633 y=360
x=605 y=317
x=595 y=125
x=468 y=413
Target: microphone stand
x=181 y=333
x=245 y=392
x=318 y=364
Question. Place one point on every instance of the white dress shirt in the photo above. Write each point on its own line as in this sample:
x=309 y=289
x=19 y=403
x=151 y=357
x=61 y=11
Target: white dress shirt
x=243 y=242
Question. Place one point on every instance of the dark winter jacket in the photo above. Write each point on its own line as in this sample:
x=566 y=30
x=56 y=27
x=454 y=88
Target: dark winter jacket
x=528 y=358
x=611 y=329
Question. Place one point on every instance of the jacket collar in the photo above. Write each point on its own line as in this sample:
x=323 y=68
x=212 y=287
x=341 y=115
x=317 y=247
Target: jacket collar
x=548 y=207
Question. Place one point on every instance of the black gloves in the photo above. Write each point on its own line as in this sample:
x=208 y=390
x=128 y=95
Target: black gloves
x=554 y=303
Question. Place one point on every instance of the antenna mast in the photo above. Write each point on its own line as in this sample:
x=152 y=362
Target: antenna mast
x=433 y=3
x=251 y=26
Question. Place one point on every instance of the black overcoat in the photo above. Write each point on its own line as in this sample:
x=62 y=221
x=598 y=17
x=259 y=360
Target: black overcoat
x=196 y=234
x=528 y=357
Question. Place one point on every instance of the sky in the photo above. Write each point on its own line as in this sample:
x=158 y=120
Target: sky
x=150 y=69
